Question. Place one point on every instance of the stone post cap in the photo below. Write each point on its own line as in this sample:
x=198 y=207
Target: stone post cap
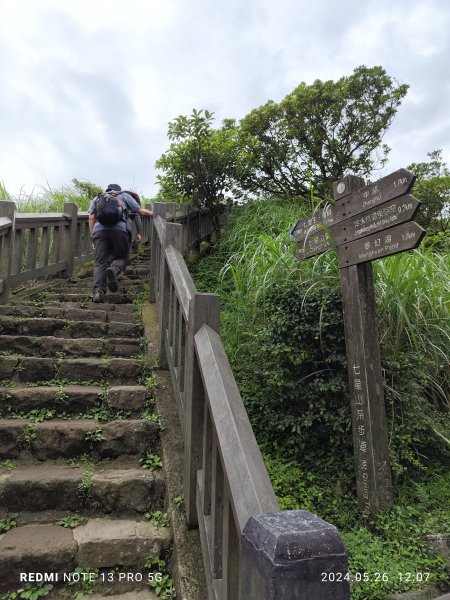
x=293 y=535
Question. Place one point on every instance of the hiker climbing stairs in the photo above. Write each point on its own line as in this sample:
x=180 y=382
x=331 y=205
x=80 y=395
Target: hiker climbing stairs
x=81 y=489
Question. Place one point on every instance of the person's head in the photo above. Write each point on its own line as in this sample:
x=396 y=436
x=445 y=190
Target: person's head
x=113 y=187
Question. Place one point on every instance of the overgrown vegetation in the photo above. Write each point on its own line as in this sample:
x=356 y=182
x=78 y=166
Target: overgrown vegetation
x=281 y=322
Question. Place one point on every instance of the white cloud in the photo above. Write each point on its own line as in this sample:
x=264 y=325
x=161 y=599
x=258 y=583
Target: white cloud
x=88 y=87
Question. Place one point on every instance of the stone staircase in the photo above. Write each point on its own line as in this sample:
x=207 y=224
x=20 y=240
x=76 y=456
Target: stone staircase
x=76 y=429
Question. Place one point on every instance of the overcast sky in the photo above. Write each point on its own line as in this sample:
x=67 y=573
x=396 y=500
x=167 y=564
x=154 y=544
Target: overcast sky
x=87 y=87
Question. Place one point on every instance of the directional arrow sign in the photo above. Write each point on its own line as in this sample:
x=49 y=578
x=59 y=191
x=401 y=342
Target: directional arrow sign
x=396 y=184
x=393 y=240
x=396 y=211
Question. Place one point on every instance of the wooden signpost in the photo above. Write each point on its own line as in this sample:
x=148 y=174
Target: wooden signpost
x=364 y=223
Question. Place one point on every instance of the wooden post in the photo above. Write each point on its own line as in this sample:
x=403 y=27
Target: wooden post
x=203 y=308
x=172 y=237
x=69 y=237
x=147 y=226
x=7 y=220
x=370 y=444
x=159 y=210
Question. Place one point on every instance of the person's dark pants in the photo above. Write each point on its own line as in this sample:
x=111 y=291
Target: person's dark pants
x=111 y=257
x=109 y=242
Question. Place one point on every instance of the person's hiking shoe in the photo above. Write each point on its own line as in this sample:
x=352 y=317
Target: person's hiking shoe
x=111 y=279
x=98 y=296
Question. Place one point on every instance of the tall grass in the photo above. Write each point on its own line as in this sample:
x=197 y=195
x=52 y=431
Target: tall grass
x=45 y=199
x=412 y=288
x=260 y=257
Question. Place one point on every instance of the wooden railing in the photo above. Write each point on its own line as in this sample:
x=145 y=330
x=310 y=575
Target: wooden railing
x=35 y=245
x=251 y=549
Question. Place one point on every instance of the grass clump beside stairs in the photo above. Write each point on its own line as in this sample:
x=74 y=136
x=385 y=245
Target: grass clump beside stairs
x=281 y=323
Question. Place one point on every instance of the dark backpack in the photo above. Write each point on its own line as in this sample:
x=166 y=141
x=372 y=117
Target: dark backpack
x=108 y=209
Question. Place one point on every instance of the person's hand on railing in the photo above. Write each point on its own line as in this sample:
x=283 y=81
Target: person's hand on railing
x=138 y=237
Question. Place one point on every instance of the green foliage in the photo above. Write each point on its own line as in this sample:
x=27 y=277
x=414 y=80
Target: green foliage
x=159 y=518
x=28 y=434
x=37 y=415
x=319 y=131
x=179 y=501
x=29 y=592
x=151 y=417
x=85 y=583
x=150 y=461
x=8 y=523
x=7 y=464
x=72 y=521
x=84 y=461
x=432 y=188
x=161 y=583
x=283 y=332
x=105 y=413
x=95 y=435
x=201 y=162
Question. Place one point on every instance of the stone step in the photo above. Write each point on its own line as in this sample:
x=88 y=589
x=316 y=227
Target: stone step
x=82 y=347
x=83 y=284
x=110 y=297
x=99 y=313
x=33 y=369
x=58 y=438
x=101 y=542
x=72 y=399
x=134 y=595
x=68 y=328
x=111 y=488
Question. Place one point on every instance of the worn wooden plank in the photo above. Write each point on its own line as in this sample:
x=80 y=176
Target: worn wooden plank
x=207 y=461
x=231 y=552
x=172 y=237
x=203 y=308
x=204 y=525
x=69 y=234
x=19 y=278
x=387 y=215
x=396 y=184
x=159 y=215
x=7 y=220
x=18 y=244
x=45 y=247
x=183 y=282
x=217 y=511
x=27 y=220
x=30 y=262
x=385 y=243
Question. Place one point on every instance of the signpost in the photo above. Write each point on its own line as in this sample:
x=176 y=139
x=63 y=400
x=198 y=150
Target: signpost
x=364 y=224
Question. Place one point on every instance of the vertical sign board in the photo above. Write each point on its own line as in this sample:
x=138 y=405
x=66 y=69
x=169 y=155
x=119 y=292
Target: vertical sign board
x=365 y=223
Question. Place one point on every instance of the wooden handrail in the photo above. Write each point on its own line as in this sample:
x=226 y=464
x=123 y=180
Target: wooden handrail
x=251 y=549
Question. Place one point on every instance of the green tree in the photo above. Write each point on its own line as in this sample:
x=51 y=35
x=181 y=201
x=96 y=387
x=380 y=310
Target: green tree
x=320 y=131
x=432 y=188
x=201 y=162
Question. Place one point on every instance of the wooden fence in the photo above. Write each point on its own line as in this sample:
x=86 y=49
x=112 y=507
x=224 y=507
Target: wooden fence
x=37 y=245
x=251 y=549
